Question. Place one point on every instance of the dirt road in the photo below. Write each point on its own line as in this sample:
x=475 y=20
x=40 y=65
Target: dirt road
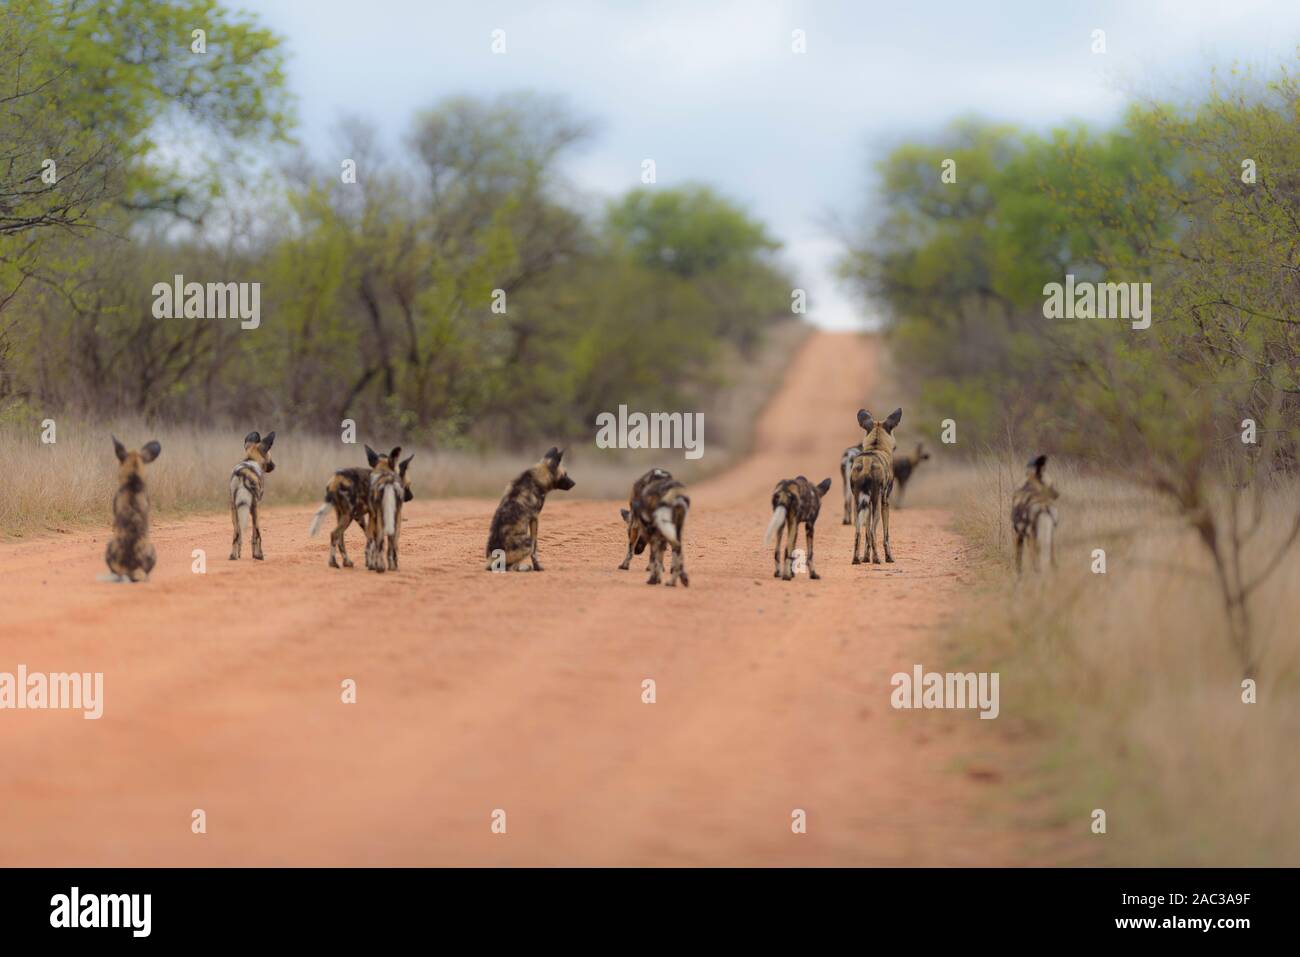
x=519 y=692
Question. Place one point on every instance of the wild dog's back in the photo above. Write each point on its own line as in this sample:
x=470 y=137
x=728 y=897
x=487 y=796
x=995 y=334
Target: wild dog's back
x=129 y=554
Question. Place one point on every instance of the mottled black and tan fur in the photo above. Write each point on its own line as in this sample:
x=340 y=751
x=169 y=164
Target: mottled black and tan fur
x=795 y=502
x=389 y=488
x=247 y=484
x=661 y=509
x=637 y=537
x=130 y=555
x=512 y=537
x=1033 y=515
x=872 y=480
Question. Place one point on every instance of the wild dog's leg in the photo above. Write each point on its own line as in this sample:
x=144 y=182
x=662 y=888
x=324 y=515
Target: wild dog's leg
x=848 y=493
x=1020 y=547
x=858 y=515
x=236 y=544
x=148 y=557
x=392 y=544
x=1048 y=523
x=631 y=543
x=873 y=550
x=808 y=536
x=677 y=561
x=791 y=537
x=900 y=484
x=257 y=531
x=338 y=539
x=656 y=561
x=884 y=516
x=776 y=554
x=532 y=533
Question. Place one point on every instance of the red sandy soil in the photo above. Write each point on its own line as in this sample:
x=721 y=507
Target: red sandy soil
x=523 y=692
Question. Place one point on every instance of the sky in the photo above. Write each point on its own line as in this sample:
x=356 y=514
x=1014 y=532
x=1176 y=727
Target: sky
x=713 y=91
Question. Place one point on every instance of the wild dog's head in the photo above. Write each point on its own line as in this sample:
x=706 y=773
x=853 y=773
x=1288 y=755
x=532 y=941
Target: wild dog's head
x=1034 y=474
x=390 y=463
x=921 y=453
x=258 y=449
x=550 y=474
x=879 y=435
x=133 y=463
x=386 y=462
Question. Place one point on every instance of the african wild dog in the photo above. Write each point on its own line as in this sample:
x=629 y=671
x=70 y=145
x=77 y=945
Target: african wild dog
x=389 y=488
x=348 y=492
x=637 y=537
x=661 y=509
x=130 y=555
x=872 y=480
x=512 y=537
x=794 y=501
x=1033 y=515
x=247 y=483
x=904 y=467
x=846 y=475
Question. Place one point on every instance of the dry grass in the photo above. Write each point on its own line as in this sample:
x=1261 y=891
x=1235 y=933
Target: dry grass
x=1124 y=684
x=45 y=488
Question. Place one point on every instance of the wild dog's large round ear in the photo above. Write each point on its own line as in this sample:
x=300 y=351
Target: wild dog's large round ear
x=252 y=438
x=394 y=455
x=864 y=420
x=553 y=455
x=1037 y=465
x=372 y=456
x=625 y=513
x=823 y=486
x=119 y=448
x=405 y=463
x=150 y=451
x=267 y=442
x=895 y=417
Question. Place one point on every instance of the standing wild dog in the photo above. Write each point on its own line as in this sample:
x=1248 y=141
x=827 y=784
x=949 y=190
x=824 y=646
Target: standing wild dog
x=513 y=532
x=872 y=480
x=247 y=483
x=846 y=475
x=904 y=467
x=637 y=536
x=130 y=555
x=661 y=509
x=389 y=488
x=795 y=501
x=1033 y=515
x=348 y=492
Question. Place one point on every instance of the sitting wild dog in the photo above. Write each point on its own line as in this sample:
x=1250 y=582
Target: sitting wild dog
x=1033 y=515
x=637 y=537
x=247 y=483
x=872 y=481
x=904 y=466
x=348 y=492
x=130 y=555
x=661 y=509
x=794 y=501
x=389 y=488
x=512 y=537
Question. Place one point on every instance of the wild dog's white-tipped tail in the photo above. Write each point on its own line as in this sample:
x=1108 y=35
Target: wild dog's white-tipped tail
x=778 y=517
x=664 y=522
x=390 y=510
x=317 y=519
